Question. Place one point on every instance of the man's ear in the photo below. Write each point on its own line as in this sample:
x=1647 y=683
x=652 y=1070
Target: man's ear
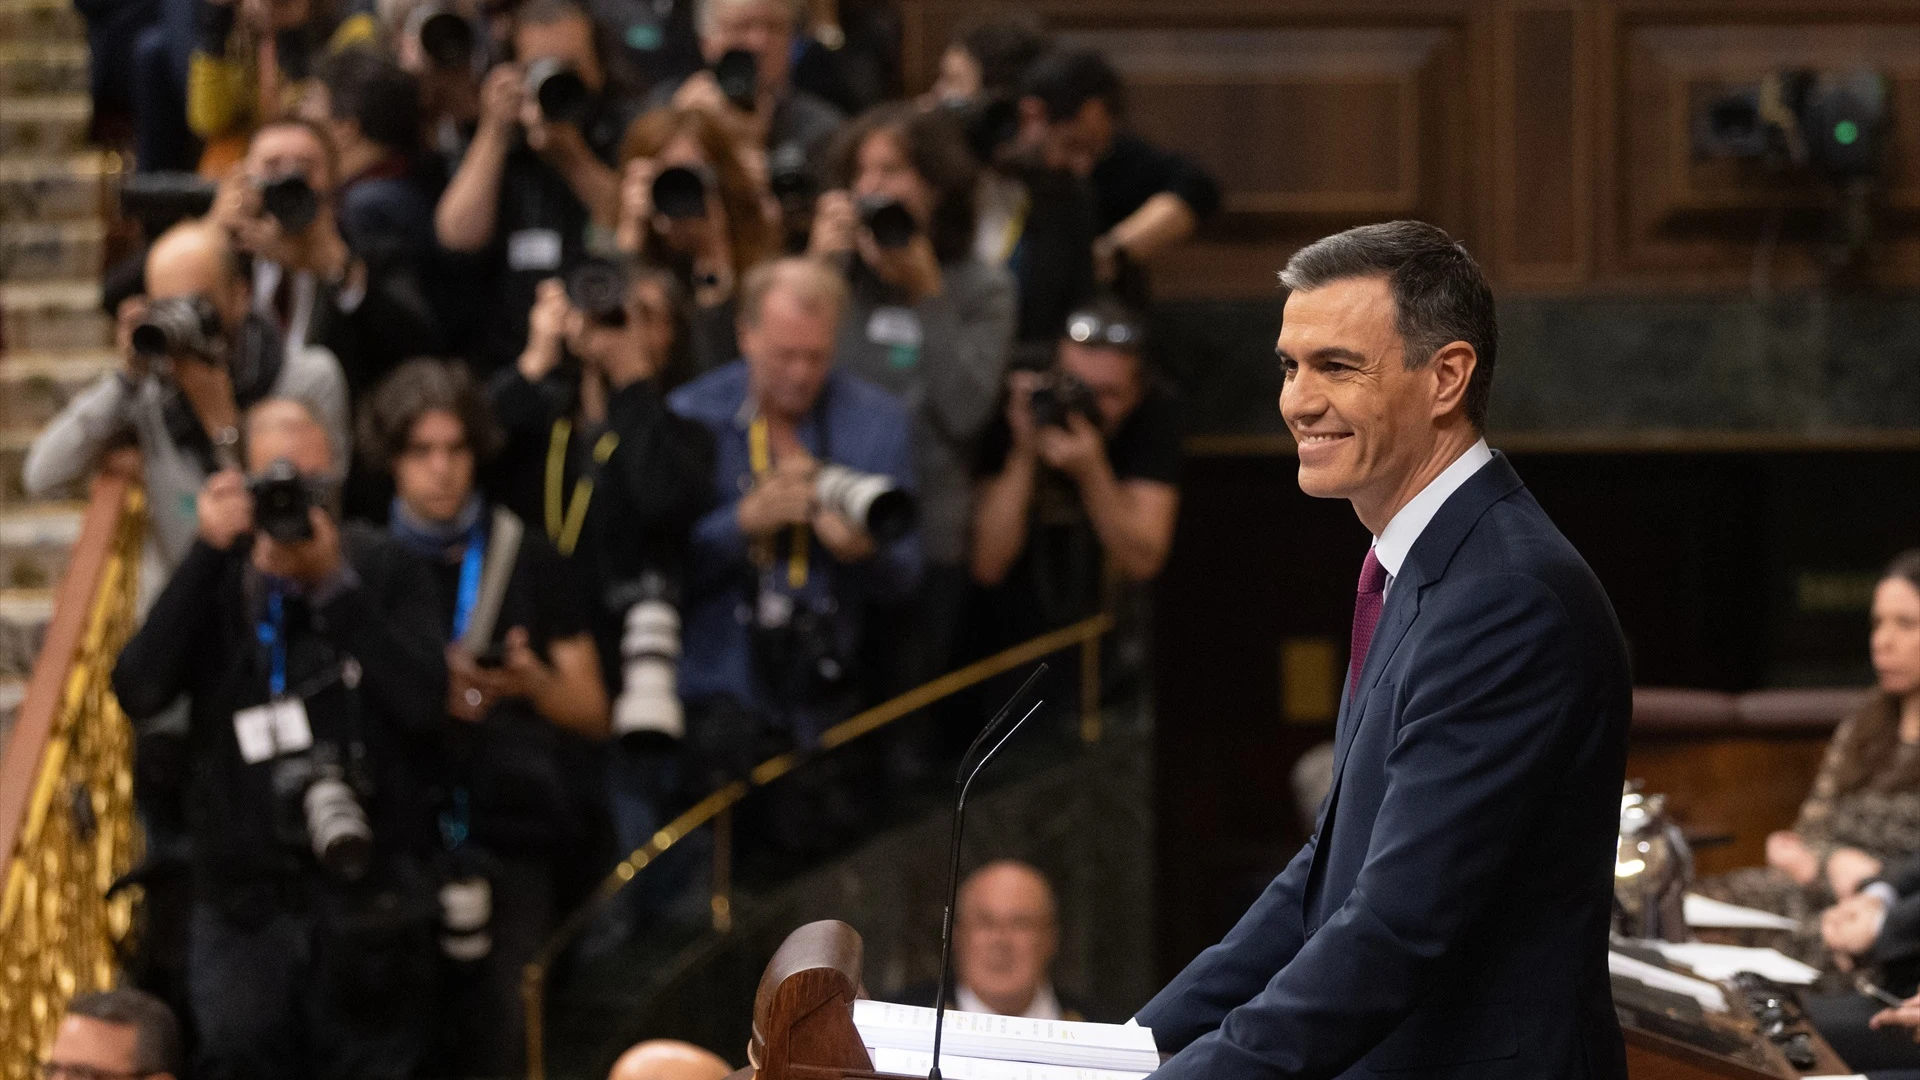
x=1452 y=369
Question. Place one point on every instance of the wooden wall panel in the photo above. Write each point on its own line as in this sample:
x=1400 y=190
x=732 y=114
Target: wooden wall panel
x=1543 y=133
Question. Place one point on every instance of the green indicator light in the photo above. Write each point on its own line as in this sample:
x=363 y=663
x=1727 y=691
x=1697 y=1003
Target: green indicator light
x=1846 y=133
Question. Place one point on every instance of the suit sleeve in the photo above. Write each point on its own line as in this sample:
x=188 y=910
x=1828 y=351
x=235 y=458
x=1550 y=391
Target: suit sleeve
x=1232 y=972
x=1481 y=740
x=158 y=662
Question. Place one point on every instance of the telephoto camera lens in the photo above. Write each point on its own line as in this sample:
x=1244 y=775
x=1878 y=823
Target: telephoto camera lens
x=179 y=326
x=446 y=38
x=889 y=221
x=291 y=201
x=599 y=289
x=337 y=827
x=681 y=192
x=281 y=503
x=738 y=73
x=466 y=912
x=870 y=500
x=649 y=702
x=560 y=91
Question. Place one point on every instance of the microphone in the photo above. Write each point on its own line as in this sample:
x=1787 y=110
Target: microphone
x=970 y=766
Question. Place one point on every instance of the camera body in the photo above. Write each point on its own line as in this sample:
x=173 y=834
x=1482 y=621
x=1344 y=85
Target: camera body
x=283 y=500
x=680 y=192
x=559 y=90
x=182 y=326
x=1059 y=397
x=445 y=36
x=598 y=288
x=318 y=808
x=290 y=200
x=738 y=74
x=888 y=219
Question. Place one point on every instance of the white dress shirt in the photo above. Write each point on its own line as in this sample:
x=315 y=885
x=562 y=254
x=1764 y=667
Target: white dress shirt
x=1397 y=539
x=1045 y=1004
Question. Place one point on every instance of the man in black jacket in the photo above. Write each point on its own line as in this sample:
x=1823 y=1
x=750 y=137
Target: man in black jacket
x=315 y=674
x=1876 y=929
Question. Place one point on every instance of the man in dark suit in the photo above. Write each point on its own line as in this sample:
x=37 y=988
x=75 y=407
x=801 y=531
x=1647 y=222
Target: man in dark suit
x=1449 y=916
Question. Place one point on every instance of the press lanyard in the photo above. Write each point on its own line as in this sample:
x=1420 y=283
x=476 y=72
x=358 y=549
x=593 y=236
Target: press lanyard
x=272 y=633
x=564 y=521
x=470 y=565
x=760 y=457
x=1016 y=227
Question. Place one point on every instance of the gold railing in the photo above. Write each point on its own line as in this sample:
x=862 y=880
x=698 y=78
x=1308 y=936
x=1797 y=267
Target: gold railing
x=66 y=789
x=717 y=809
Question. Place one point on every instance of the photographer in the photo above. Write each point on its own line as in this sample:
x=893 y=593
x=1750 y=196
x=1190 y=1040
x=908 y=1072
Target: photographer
x=279 y=206
x=200 y=360
x=539 y=171
x=688 y=203
x=370 y=110
x=1147 y=199
x=311 y=656
x=928 y=322
x=523 y=677
x=812 y=464
x=1082 y=465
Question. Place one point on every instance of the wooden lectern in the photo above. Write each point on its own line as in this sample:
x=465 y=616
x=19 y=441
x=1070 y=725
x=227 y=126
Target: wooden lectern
x=803 y=1011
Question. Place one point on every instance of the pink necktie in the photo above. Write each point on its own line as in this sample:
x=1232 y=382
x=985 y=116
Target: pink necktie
x=1366 y=614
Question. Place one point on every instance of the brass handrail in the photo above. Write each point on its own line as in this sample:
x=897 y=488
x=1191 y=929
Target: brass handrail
x=66 y=788
x=716 y=807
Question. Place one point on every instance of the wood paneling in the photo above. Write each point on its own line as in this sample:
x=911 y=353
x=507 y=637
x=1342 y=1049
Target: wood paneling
x=1553 y=136
x=1742 y=786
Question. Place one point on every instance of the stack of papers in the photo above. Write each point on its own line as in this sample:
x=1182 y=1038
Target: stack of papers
x=915 y=1063
x=1068 y=1044
x=1726 y=961
x=1707 y=994
x=1704 y=911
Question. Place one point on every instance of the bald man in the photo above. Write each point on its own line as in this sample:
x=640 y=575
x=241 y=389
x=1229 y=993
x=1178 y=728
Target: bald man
x=183 y=410
x=1005 y=938
x=312 y=661
x=669 y=1059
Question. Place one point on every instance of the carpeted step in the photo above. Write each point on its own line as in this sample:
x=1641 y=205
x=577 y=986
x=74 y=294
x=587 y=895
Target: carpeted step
x=44 y=316
x=80 y=187
x=45 y=126
x=51 y=250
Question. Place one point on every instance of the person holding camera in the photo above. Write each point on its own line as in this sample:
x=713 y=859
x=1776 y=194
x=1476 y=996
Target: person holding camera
x=229 y=93
x=1080 y=471
x=813 y=522
x=281 y=206
x=539 y=172
x=194 y=356
x=312 y=658
x=928 y=322
x=523 y=678
x=688 y=203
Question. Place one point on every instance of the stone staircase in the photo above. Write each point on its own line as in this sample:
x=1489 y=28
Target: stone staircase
x=55 y=196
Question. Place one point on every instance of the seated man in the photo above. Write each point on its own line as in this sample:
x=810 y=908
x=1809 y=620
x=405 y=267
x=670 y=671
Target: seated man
x=780 y=575
x=669 y=1059
x=1005 y=939
x=311 y=655
x=183 y=408
x=115 y=1033
x=1080 y=469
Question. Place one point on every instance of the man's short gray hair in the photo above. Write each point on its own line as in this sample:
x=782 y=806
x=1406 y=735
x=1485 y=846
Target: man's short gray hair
x=706 y=13
x=1439 y=294
x=818 y=287
x=156 y=1042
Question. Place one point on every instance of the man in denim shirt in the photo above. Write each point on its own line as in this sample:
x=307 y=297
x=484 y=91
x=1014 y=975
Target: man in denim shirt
x=779 y=576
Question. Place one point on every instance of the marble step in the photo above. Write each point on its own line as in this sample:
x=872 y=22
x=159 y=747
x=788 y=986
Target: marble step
x=45 y=126
x=44 y=250
x=24 y=614
x=76 y=188
x=29 y=68
x=34 y=543
x=13 y=455
x=50 y=316
x=41 y=20
x=34 y=387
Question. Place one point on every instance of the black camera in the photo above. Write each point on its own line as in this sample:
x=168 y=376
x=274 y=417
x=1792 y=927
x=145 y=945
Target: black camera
x=738 y=74
x=447 y=39
x=161 y=200
x=320 y=809
x=1059 y=398
x=559 y=90
x=792 y=180
x=681 y=191
x=181 y=326
x=598 y=288
x=290 y=200
x=889 y=220
x=283 y=500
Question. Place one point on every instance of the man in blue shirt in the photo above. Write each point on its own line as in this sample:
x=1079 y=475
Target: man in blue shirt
x=779 y=576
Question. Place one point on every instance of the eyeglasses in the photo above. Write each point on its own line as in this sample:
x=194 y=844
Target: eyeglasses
x=1087 y=328
x=57 y=1070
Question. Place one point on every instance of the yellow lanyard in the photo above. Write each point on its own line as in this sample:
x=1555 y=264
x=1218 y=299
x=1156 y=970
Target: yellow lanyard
x=1016 y=227
x=760 y=456
x=564 y=521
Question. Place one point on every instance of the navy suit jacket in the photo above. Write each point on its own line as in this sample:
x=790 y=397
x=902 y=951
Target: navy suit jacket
x=1449 y=916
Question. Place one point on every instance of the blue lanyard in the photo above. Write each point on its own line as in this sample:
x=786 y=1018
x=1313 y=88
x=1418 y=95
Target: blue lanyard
x=469 y=594
x=272 y=632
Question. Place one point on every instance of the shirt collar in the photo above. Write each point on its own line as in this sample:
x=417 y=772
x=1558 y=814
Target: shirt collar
x=1396 y=541
x=1045 y=1004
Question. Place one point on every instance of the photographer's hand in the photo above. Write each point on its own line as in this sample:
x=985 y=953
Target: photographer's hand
x=311 y=562
x=782 y=497
x=466 y=697
x=208 y=389
x=224 y=509
x=636 y=205
x=501 y=95
x=914 y=269
x=848 y=542
x=1020 y=388
x=546 y=330
x=127 y=316
x=1077 y=450
x=836 y=224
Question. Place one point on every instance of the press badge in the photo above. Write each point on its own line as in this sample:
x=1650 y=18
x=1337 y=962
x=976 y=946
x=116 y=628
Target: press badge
x=533 y=249
x=898 y=328
x=266 y=731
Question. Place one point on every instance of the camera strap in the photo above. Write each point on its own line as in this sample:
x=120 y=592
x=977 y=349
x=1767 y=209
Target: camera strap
x=760 y=457
x=272 y=631
x=565 y=518
x=469 y=592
